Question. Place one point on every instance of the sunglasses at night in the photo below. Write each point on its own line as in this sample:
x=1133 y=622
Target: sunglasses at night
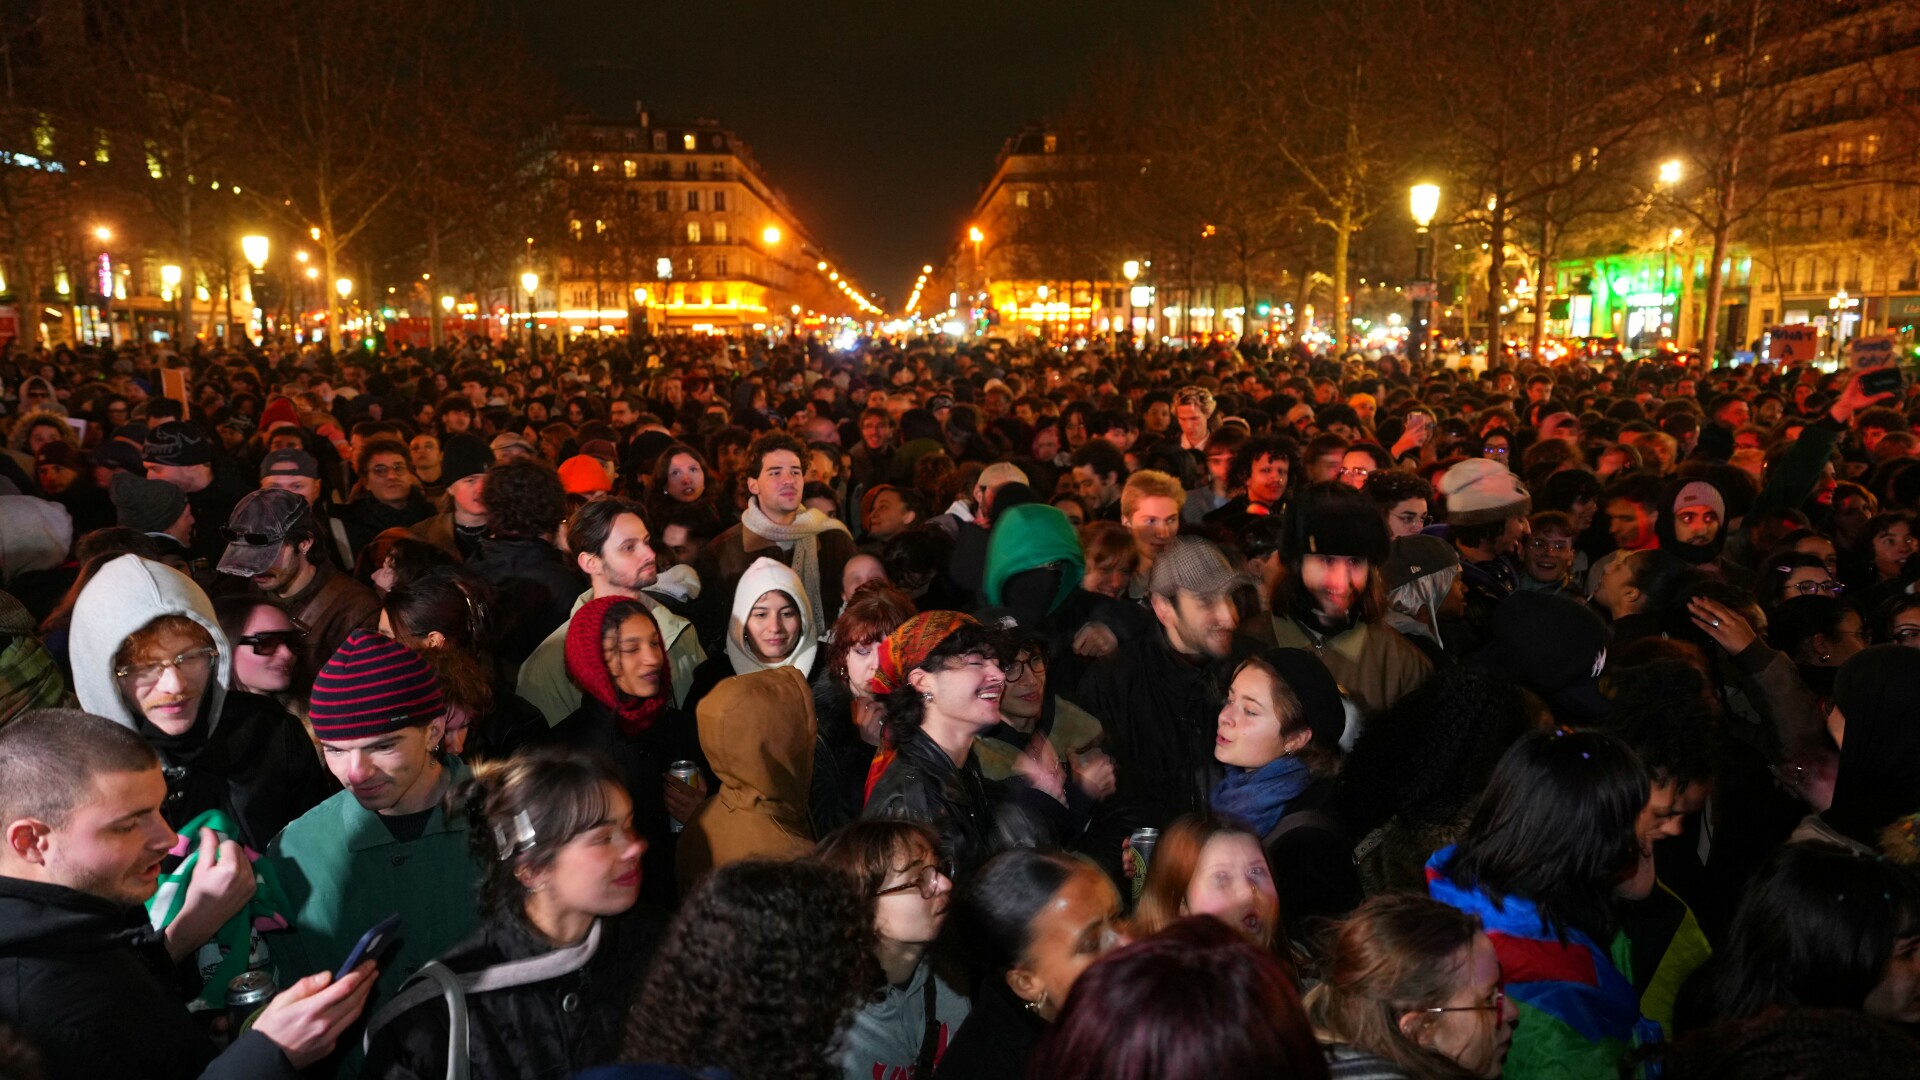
x=268 y=642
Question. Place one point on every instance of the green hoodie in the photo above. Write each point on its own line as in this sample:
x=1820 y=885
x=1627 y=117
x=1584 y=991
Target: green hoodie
x=1027 y=537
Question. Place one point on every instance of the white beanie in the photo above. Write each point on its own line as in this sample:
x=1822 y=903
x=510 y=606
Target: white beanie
x=1480 y=490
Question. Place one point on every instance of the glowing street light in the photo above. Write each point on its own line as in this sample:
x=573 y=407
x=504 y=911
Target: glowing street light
x=1424 y=200
x=771 y=235
x=300 y=256
x=170 y=276
x=102 y=233
x=344 y=287
x=446 y=304
x=1130 y=269
x=255 y=249
x=1670 y=171
x=314 y=232
x=313 y=273
x=530 y=281
x=974 y=234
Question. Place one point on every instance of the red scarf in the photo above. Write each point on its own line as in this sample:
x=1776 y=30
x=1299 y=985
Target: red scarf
x=587 y=666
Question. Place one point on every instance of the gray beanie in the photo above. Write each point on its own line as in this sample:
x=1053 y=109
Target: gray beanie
x=144 y=505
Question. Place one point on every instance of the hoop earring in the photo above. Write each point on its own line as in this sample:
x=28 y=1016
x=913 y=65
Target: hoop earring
x=1034 y=1007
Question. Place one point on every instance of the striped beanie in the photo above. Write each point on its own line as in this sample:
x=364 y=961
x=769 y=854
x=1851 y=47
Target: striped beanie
x=373 y=685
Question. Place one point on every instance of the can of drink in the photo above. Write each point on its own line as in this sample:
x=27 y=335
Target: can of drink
x=687 y=773
x=1143 y=841
x=247 y=994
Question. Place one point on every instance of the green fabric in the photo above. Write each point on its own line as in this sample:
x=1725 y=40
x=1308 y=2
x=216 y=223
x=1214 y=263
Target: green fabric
x=1028 y=537
x=343 y=872
x=1685 y=952
x=1074 y=729
x=235 y=936
x=29 y=678
x=1545 y=1048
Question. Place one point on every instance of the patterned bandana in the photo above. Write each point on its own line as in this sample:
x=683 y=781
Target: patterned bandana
x=909 y=645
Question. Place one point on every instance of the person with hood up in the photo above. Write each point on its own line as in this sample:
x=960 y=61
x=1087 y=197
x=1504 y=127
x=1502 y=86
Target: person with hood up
x=1036 y=569
x=758 y=733
x=149 y=654
x=771 y=626
x=1556 y=648
x=1692 y=525
x=1422 y=579
x=1330 y=600
x=1874 y=796
x=616 y=656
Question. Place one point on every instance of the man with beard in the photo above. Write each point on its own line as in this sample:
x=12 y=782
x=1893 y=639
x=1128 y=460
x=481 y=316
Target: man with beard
x=271 y=542
x=612 y=545
x=86 y=979
x=1159 y=694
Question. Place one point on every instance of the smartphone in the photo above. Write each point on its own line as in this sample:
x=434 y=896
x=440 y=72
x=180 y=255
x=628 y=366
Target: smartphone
x=370 y=944
x=1885 y=380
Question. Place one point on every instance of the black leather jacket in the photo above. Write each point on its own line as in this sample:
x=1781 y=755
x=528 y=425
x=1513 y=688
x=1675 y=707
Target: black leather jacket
x=975 y=817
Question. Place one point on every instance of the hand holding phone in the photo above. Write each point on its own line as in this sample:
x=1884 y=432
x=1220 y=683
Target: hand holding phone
x=370 y=944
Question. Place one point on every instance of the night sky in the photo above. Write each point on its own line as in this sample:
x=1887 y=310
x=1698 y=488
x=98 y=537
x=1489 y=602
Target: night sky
x=880 y=119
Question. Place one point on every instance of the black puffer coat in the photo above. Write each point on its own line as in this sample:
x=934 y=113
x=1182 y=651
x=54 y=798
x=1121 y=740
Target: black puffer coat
x=258 y=767
x=535 y=1031
x=975 y=817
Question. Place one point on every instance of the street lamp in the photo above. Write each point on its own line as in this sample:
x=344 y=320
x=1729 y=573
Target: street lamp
x=102 y=233
x=170 y=277
x=1670 y=170
x=446 y=304
x=1423 y=200
x=255 y=249
x=530 y=281
x=770 y=235
x=344 y=287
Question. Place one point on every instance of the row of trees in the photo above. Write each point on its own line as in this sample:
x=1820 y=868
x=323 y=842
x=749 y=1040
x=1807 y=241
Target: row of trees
x=1271 y=147
x=382 y=135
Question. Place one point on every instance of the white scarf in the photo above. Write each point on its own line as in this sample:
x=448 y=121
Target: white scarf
x=802 y=539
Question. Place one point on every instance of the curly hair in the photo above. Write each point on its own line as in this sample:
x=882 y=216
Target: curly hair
x=874 y=611
x=524 y=498
x=760 y=971
x=904 y=708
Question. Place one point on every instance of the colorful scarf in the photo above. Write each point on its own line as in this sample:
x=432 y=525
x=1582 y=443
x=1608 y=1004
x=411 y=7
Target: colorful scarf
x=230 y=952
x=911 y=643
x=587 y=666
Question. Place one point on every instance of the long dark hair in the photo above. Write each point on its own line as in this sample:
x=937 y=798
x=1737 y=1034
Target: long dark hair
x=758 y=973
x=1556 y=827
x=1815 y=929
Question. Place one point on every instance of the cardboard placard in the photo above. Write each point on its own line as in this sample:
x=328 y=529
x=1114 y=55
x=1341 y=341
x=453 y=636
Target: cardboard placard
x=1874 y=351
x=173 y=384
x=1795 y=342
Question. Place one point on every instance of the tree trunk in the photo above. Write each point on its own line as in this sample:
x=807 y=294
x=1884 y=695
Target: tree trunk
x=1342 y=247
x=1710 y=318
x=1496 y=283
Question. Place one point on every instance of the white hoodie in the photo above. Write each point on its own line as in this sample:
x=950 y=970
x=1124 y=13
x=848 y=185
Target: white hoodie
x=765 y=576
x=34 y=534
x=126 y=595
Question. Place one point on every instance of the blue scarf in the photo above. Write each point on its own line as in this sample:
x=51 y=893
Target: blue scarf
x=1259 y=797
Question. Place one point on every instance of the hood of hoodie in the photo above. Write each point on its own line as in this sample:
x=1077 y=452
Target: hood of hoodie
x=1698 y=491
x=127 y=594
x=757 y=731
x=765 y=576
x=23 y=427
x=34 y=535
x=1027 y=537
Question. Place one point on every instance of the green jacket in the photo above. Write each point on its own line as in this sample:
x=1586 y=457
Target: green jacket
x=342 y=872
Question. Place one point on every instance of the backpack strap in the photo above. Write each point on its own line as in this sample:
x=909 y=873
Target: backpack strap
x=436 y=980
x=459 y=1063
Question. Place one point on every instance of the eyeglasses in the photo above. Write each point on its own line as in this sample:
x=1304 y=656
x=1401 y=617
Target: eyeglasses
x=384 y=471
x=1809 y=588
x=926 y=879
x=1498 y=1004
x=1360 y=471
x=1496 y=451
x=1017 y=669
x=1558 y=547
x=268 y=642
x=192 y=664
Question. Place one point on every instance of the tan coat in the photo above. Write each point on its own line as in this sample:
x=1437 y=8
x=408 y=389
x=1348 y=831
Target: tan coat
x=1373 y=664
x=757 y=731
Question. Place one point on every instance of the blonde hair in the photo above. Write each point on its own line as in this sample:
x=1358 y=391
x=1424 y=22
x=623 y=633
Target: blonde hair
x=1151 y=484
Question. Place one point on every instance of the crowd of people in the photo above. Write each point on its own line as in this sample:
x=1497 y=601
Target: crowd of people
x=726 y=708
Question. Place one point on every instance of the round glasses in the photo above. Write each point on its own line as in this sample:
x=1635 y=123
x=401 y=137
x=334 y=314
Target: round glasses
x=1017 y=669
x=925 y=878
x=1811 y=588
x=192 y=664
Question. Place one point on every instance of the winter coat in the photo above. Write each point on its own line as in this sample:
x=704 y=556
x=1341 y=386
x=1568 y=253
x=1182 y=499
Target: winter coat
x=87 y=983
x=1372 y=662
x=246 y=757
x=533 y=584
x=997 y=1039
x=1160 y=710
x=726 y=558
x=343 y=871
x=1067 y=727
x=367 y=517
x=543 y=678
x=975 y=818
x=758 y=733
x=1579 y=1014
x=333 y=605
x=544 y=1030
x=886 y=1036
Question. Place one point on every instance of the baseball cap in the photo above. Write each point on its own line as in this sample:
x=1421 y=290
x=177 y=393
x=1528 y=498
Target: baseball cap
x=1194 y=565
x=509 y=440
x=290 y=463
x=258 y=527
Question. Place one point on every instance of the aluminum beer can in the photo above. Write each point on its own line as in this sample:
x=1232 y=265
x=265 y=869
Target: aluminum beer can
x=246 y=994
x=687 y=773
x=1143 y=841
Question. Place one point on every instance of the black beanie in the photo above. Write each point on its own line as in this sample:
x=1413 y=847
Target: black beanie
x=1333 y=519
x=462 y=456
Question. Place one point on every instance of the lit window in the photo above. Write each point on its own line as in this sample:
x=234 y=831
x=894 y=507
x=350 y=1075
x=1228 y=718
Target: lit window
x=1051 y=143
x=693 y=232
x=719 y=232
x=1020 y=199
x=573 y=167
x=629 y=168
x=690 y=142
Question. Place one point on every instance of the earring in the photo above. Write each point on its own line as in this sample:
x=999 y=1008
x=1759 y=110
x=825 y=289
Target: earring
x=1034 y=1007
x=1824 y=657
x=927 y=695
